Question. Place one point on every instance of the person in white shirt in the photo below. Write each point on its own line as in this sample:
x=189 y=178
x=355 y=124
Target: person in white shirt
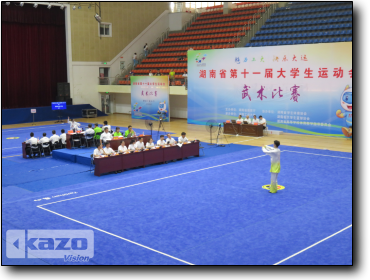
x=150 y=144
x=150 y=73
x=73 y=124
x=248 y=120
x=134 y=59
x=170 y=140
x=122 y=148
x=44 y=139
x=105 y=136
x=140 y=144
x=107 y=125
x=262 y=121
x=54 y=138
x=108 y=150
x=99 y=151
x=63 y=136
x=161 y=141
x=240 y=119
x=89 y=130
x=132 y=146
x=255 y=120
x=32 y=140
x=182 y=138
x=274 y=153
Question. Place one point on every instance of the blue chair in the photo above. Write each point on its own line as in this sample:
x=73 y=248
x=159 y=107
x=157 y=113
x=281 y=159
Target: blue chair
x=337 y=39
x=275 y=43
x=315 y=41
x=289 y=42
x=284 y=42
x=326 y=40
x=331 y=33
x=264 y=44
x=252 y=45
x=349 y=32
x=269 y=43
x=247 y=45
x=349 y=39
x=332 y=40
x=303 y=41
x=321 y=40
x=294 y=42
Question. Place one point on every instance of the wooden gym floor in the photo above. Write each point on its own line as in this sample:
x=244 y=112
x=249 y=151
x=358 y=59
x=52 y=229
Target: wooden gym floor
x=197 y=131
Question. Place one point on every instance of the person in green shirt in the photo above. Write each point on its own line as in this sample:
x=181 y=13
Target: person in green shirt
x=117 y=133
x=130 y=131
x=97 y=129
x=172 y=77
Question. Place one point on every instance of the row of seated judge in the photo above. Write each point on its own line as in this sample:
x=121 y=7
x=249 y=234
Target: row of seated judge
x=260 y=121
x=45 y=145
x=137 y=146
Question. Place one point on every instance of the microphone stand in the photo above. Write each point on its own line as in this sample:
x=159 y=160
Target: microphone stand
x=218 y=134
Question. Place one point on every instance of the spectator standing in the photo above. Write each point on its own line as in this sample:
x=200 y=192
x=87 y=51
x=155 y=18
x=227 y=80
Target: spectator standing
x=159 y=73
x=134 y=59
x=146 y=49
x=150 y=73
x=172 y=77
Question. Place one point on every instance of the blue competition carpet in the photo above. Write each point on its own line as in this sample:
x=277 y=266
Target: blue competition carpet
x=209 y=210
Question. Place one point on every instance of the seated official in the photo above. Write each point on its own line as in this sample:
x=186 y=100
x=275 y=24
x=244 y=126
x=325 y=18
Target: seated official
x=132 y=146
x=54 y=138
x=63 y=136
x=73 y=124
x=161 y=142
x=117 y=132
x=150 y=144
x=44 y=139
x=107 y=125
x=130 y=132
x=240 y=119
x=122 y=148
x=170 y=140
x=182 y=138
x=88 y=131
x=262 y=121
x=140 y=144
x=97 y=129
x=106 y=136
x=108 y=150
x=248 y=120
x=99 y=151
x=33 y=140
x=255 y=120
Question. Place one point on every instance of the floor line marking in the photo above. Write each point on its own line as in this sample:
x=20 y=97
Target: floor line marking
x=154 y=180
x=315 y=154
x=248 y=140
x=12 y=156
x=312 y=245
x=15 y=129
x=12 y=148
x=120 y=237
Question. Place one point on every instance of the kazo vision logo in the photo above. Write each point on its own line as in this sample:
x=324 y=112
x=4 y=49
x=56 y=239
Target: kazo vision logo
x=70 y=245
x=199 y=60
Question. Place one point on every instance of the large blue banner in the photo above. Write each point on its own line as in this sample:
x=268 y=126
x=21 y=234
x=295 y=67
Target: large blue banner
x=298 y=89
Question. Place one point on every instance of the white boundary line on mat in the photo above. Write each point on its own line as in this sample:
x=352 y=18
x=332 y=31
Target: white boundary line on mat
x=312 y=245
x=315 y=154
x=120 y=237
x=152 y=180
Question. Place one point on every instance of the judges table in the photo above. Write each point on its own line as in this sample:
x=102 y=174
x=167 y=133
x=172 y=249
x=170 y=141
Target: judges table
x=243 y=129
x=114 y=143
x=24 y=146
x=138 y=159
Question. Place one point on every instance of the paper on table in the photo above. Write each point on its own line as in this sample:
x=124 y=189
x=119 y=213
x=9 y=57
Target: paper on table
x=179 y=144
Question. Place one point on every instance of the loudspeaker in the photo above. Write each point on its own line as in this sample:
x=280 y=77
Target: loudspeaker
x=69 y=101
x=63 y=89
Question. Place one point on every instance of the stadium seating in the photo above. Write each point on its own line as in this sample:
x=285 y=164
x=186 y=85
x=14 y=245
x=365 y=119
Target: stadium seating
x=211 y=30
x=306 y=23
